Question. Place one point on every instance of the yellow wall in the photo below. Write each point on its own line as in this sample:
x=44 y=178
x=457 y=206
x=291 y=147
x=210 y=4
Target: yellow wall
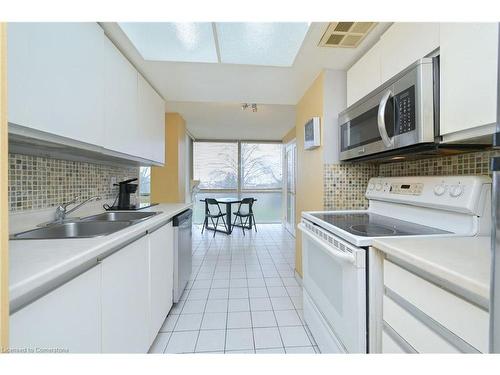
x=309 y=190
x=4 y=279
x=168 y=183
x=289 y=136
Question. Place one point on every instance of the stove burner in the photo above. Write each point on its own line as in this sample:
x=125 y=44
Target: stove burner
x=372 y=229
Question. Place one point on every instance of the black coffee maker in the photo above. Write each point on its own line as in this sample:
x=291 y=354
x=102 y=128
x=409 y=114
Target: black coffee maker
x=126 y=188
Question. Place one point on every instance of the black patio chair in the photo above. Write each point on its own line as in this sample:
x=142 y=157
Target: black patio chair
x=245 y=211
x=209 y=215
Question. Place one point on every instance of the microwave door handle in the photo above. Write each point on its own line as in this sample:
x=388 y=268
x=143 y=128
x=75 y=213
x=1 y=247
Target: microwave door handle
x=388 y=141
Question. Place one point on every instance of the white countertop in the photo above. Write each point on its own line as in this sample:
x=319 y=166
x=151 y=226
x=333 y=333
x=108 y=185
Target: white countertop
x=35 y=263
x=461 y=261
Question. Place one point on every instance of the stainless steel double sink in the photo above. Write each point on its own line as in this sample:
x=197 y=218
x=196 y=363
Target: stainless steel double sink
x=87 y=227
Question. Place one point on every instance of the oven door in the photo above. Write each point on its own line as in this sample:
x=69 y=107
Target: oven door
x=334 y=278
x=369 y=127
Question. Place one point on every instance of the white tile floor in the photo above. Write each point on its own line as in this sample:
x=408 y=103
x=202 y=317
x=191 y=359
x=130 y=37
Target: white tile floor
x=243 y=297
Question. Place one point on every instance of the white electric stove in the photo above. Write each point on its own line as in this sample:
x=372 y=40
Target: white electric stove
x=335 y=246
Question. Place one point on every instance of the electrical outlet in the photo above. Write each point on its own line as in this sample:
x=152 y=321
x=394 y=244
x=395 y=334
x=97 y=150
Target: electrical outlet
x=113 y=181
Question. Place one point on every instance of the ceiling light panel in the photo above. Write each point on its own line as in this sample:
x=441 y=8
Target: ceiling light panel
x=253 y=43
x=173 y=41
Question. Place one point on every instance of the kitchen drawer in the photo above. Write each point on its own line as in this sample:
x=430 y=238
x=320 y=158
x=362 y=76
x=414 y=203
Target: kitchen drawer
x=389 y=344
x=442 y=306
x=413 y=331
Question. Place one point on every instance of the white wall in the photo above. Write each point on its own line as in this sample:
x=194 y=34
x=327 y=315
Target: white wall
x=334 y=102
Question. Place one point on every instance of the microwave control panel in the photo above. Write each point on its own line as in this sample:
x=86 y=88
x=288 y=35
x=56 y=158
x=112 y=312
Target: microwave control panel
x=405 y=110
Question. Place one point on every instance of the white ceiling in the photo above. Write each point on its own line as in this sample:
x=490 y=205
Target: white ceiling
x=223 y=87
x=206 y=82
x=228 y=121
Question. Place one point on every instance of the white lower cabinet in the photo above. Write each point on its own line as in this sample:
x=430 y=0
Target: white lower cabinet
x=161 y=268
x=420 y=316
x=118 y=306
x=125 y=300
x=68 y=318
x=390 y=345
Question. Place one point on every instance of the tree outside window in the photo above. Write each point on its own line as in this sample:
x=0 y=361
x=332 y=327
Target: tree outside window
x=257 y=172
x=144 y=183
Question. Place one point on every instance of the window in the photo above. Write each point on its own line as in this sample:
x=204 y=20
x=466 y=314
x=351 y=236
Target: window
x=216 y=165
x=240 y=169
x=261 y=166
x=144 y=183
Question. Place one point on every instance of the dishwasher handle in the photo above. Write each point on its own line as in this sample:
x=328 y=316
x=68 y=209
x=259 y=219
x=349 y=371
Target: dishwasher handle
x=183 y=218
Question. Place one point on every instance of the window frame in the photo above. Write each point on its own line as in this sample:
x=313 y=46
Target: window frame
x=240 y=179
x=239 y=188
x=238 y=162
x=238 y=192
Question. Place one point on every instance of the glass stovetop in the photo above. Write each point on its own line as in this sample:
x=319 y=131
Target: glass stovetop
x=374 y=225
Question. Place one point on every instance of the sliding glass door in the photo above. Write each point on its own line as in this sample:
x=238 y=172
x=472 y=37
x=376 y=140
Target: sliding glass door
x=240 y=169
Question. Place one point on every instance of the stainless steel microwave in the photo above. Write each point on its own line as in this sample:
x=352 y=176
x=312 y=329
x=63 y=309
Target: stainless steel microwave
x=396 y=116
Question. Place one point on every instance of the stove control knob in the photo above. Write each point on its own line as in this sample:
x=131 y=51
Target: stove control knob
x=439 y=189
x=371 y=186
x=456 y=191
x=378 y=186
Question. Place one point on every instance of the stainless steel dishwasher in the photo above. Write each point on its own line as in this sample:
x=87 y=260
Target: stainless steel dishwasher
x=183 y=251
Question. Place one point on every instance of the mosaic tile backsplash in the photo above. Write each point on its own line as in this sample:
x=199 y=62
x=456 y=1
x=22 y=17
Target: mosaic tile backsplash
x=38 y=182
x=477 y=163
x=345 y=184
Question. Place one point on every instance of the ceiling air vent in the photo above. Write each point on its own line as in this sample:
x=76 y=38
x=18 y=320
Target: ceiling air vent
x=345 y=34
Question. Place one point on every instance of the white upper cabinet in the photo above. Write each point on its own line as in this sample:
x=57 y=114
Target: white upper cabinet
x=468 y=68
x=468 y=71
x=364 y=75
x=69 y=80
x=56 y=78
x=121 y=101
x=399 y=47
x=151 y=122
x=403 y=44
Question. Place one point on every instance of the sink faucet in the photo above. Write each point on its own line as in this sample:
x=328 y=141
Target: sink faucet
x=62 y=209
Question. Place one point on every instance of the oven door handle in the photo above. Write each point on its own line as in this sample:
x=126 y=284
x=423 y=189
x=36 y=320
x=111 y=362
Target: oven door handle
x=388 y=141
x=330 y=250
